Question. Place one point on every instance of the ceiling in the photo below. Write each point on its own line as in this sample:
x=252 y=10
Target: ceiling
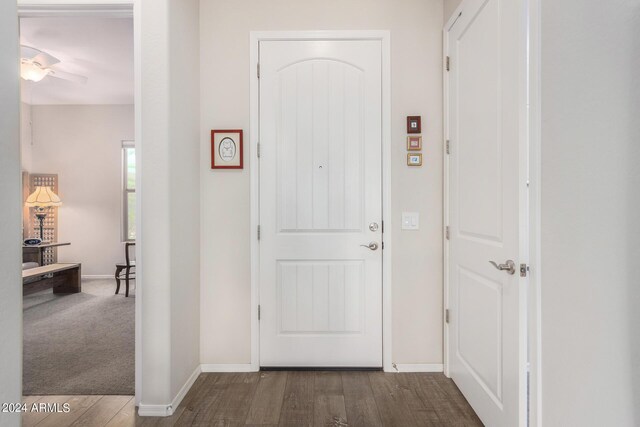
x=96 y=47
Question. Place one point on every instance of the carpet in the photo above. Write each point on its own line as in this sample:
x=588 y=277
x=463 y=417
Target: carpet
x=79 y=343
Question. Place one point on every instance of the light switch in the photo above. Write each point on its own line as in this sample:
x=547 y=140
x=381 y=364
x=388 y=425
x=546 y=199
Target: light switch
x=410 y=220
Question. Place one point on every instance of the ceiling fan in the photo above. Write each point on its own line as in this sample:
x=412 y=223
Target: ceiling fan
x=35 y=65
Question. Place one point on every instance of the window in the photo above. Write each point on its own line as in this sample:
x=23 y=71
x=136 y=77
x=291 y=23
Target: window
x=128 y=190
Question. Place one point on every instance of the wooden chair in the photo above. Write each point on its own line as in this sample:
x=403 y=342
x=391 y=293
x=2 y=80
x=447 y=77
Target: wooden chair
x=127 y=266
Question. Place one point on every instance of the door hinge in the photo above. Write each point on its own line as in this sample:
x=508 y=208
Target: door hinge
x=382 y=227
x=258 y=232
x=258 y=69
x=258 y=150
x=448 y=63
x=524 y=270
x=258 y=312
x=383 y=246
x=446 y=232
x=446 y=315
x=448 y=147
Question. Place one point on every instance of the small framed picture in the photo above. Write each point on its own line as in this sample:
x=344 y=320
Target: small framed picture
x=414 y=143
x=414 y=124
x=226 y=149
x=414 y=159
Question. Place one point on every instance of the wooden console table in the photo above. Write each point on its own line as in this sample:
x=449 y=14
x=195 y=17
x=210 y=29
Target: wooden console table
x=33 y=253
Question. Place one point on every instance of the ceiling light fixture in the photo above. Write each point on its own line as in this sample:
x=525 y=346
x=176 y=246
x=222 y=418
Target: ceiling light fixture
x=33 y=71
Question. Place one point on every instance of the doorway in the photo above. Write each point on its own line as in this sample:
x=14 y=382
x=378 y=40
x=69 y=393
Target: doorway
x=318 y=259
x=108 y=121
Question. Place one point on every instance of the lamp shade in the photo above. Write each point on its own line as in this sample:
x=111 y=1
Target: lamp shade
x=43 y=197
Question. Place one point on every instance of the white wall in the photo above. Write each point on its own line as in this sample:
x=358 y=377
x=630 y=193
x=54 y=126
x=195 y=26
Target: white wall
x=168 y=143
x=450 y=7
x=10 y=216
x=590 y=210
x=83 y=145
x=416 y=50
x=152 y=143
x=26 y=147
x=185 y=189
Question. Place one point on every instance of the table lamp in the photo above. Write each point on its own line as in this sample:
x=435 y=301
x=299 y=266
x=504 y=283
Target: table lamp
x=41 y=199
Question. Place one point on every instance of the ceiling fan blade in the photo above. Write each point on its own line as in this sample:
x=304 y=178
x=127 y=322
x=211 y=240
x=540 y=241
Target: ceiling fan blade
x=29 y=52
x=36 y=55
x=46 y=60
x=68 y=76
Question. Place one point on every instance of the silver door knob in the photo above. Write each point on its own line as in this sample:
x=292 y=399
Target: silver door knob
x=373 y=246
x=373 y=226
x=509 y=266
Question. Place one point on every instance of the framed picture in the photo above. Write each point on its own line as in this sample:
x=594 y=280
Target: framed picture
x=414 y=143
x=226 y=149
x=414 y=159
x=414 y=124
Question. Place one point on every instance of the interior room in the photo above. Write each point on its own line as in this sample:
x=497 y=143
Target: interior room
x=78 y=178
x=345 y=213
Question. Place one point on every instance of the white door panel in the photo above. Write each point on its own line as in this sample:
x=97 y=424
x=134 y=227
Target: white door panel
x=320 y=188
x=486 y=330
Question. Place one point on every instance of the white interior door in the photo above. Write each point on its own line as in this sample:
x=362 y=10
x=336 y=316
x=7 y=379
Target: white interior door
x=320 y=201
x=487 y=196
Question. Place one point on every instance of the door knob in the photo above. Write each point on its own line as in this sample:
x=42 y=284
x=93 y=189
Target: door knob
x=373 y=246
x=373 y=226
x=509 y=266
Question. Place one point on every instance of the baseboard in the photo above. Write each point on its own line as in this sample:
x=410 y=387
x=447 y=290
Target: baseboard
x=154 y=410
x=223 y=367
x=186 y=387
x=167 y=410
x=98 y=276
x=417 y=367
x=248 y=367
x=319 y=369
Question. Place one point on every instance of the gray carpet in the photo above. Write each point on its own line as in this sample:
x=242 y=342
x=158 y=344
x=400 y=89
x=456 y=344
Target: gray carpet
x=79 y=343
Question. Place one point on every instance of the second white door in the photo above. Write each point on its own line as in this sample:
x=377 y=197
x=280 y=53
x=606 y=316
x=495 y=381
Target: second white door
x=487 y=203
x=320 y=203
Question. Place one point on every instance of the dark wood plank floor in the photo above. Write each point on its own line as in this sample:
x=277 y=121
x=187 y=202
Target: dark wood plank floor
x=295 y=399
x=341 y=399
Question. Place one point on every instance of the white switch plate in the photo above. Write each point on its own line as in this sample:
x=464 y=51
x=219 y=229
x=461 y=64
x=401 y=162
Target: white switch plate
x=410 y=220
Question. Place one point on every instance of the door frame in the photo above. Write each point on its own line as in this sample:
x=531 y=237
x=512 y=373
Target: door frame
x=530 y=144
x=112 y=9
x=385 y=38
